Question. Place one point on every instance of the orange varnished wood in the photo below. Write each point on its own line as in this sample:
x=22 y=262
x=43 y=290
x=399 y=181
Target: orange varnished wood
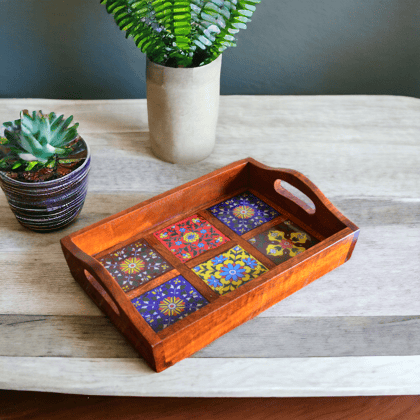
x=151 y=284
x=264 y=227
x=148 y=215
x=223 y=313
x=210 y=254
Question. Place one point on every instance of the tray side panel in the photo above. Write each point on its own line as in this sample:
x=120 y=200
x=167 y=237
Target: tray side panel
x=145 y=216
x=192 y=338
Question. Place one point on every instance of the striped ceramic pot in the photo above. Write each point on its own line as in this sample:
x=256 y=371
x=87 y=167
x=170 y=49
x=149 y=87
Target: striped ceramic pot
x=49 y=205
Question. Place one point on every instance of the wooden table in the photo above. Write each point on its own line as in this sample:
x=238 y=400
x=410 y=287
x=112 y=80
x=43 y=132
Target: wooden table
x=354 y=331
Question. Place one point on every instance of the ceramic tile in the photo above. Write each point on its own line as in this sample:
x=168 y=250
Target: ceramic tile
x=135 y=264
x=283 y=241
x=229 y=270
x=243 y=212
x=169 y=302
x=190 y=237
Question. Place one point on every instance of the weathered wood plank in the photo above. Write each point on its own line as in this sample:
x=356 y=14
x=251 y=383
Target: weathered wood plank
x=220 y=377
x=96 y=337
x=355 y=138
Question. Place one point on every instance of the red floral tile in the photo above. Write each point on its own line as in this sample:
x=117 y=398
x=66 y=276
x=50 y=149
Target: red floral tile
x=134 y=265
x=283 y=241
x=190 y=237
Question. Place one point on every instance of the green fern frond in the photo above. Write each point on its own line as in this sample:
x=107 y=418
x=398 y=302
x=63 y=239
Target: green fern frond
x=181 y=32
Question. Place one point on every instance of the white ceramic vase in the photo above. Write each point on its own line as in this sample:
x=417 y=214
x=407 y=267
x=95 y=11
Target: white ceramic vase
x=183 y=106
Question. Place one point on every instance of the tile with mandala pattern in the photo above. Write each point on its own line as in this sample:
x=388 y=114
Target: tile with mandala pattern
x=134 y=265
x=283 y=241
x=243 y=212
x=229 y=270
x=168 y=303
x=190 y=237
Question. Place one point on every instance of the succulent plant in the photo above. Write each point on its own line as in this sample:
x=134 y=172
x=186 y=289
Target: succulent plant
x=37 y=141
x=187 y=33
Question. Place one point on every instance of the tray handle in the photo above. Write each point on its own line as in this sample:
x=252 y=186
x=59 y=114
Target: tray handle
x=285 y=192
x=323 y=216
x=88 y=271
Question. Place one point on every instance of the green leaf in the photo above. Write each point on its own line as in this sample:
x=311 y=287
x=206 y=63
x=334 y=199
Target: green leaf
x=199 y=44
x=16 y=165
x=51 y=163
x=204 y=40
x=245 y=12
x=239 y=25
x=31 y=165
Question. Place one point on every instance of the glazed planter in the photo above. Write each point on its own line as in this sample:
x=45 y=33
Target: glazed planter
x=183 y=106
x=49 y=205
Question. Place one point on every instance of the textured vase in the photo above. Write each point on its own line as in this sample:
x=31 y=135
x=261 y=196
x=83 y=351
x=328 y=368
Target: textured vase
x=183 y=106
x=49 y=205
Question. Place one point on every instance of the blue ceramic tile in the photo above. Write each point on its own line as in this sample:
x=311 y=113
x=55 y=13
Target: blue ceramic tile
x=243 y=212
x=168 y=303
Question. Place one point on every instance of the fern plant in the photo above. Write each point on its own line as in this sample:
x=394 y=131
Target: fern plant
x=37 y=141
x=182 y=33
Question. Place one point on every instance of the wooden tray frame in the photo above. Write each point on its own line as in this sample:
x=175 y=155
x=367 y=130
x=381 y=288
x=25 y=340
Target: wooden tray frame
x=336 y=233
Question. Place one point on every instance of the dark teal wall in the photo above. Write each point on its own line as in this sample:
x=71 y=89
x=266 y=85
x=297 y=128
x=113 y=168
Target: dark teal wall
x=73 y=49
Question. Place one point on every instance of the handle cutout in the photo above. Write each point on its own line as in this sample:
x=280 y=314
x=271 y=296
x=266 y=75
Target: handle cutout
x=102 y=291
x=292 y=193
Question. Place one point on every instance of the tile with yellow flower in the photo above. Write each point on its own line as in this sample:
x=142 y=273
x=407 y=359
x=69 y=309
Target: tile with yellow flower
x=229 y=270
x=283 y=241
x=168 y=303
x=190 y=237
x=135 y=264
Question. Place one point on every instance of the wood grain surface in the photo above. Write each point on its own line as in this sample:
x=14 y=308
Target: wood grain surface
x=363 y=152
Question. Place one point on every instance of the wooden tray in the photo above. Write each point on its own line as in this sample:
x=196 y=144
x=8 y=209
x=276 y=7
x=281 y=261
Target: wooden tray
x=179 y=270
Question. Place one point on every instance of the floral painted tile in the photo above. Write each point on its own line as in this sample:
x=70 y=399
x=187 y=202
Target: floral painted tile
x=243 y=212
x=229 y=270
x=283 y=241
x=190 y=237
x=171 y=301
x=134 y=265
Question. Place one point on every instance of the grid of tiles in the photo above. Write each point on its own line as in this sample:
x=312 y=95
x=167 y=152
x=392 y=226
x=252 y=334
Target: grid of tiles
x=134 y=265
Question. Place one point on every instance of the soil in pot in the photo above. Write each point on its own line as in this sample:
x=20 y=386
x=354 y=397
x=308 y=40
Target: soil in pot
x=62 y=167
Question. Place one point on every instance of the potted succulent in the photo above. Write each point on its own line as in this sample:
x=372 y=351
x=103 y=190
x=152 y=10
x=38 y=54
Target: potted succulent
x=183 y=41
x=44 y=165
